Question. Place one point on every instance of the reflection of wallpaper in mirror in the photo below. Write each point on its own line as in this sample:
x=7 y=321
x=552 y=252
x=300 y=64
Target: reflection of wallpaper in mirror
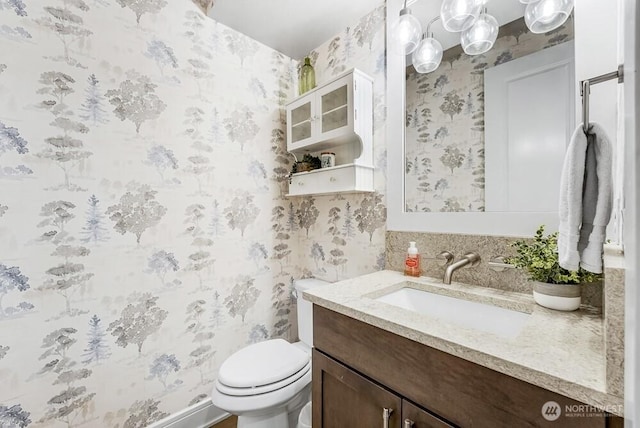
x=444 y=169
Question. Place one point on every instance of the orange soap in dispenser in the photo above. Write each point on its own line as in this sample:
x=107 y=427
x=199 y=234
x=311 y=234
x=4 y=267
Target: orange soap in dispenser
x=412 y=262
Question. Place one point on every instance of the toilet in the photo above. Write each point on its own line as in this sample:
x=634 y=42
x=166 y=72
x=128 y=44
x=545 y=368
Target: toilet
x=267 y=384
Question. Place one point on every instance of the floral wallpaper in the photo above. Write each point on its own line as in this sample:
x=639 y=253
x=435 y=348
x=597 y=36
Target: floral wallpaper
x=142 y=152
x=341 y=236
x=444 y=165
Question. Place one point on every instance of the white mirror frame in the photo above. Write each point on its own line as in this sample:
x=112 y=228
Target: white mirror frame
x=472 y=223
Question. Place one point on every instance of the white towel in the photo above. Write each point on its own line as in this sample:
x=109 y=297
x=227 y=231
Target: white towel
x=585 y=200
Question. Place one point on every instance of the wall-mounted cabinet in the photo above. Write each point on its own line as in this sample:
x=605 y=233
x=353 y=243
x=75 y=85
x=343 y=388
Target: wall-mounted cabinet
x=335 y=117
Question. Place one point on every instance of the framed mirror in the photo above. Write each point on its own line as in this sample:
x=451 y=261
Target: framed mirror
x=467 y=152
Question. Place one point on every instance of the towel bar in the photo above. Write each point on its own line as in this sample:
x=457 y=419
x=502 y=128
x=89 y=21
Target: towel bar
x=585 y=89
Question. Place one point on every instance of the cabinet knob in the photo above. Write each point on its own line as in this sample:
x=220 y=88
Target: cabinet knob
x=386 y=415
x=408 y=423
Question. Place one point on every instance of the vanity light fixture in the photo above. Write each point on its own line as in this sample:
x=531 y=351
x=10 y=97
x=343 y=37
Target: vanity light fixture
x=479 y=29
x=427 y=57
x=406 y=32
x=481 y=36
x=459 y=15
x=543 y=16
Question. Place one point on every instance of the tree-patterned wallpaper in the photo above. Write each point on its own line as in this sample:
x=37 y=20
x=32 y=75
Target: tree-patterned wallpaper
x=204 y=5
x=344 y=235
x=444 y=165
x=142 y=153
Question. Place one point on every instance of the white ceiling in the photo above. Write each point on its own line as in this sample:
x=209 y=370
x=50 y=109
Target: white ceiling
x=295 y=27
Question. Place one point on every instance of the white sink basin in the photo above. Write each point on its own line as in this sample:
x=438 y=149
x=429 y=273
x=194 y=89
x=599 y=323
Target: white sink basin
x=479 y=316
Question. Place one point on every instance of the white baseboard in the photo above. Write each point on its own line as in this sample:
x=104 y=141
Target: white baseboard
x=201 y=415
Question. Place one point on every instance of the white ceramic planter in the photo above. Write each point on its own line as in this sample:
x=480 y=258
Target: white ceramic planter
x=561 y=297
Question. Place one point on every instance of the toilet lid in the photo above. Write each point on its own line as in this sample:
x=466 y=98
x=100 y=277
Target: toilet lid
x=262 y=364
x=265 y=389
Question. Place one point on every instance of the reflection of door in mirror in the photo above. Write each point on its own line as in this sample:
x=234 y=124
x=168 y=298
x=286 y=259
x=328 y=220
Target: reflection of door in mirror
x=530 y=116
x=445 y=121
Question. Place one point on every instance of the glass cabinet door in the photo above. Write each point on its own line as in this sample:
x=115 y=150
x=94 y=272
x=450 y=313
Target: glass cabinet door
x=301 y=122
x=334 y=108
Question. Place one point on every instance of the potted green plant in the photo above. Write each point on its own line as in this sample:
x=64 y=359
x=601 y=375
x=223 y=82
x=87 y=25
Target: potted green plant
x=308 y=163
x=553 y=286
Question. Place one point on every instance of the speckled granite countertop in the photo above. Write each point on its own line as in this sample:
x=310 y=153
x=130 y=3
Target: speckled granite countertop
x=559 y=351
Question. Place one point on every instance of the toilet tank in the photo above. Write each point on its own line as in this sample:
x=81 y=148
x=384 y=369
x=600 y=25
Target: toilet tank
x=305 y=309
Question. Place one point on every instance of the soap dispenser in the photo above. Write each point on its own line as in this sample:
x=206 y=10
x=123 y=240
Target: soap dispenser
x=412 y=261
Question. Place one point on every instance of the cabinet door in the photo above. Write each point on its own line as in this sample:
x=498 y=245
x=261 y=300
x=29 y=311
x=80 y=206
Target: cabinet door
x=300 y=120
x=414 y=417
x=344 y=399
x=335 y=107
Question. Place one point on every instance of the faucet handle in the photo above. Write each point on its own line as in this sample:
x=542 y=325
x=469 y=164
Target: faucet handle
x=442 y=259
x=499 y=264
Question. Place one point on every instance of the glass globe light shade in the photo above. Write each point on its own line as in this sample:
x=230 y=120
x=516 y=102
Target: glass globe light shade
x=406 y=33
x=546 y=15
x=481 y=36
x=458 y=15
x=427 y=57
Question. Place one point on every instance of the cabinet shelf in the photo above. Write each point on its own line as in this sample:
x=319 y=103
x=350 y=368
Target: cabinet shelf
x=335 y=109
x=353 y=143
x=337 y=117
x=348 y=178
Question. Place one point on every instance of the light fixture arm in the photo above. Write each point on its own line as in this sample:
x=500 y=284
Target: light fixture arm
x=428 y=32
x=405 y=10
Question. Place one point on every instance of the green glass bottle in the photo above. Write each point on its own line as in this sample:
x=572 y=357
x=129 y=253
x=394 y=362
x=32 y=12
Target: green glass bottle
x=307 y=79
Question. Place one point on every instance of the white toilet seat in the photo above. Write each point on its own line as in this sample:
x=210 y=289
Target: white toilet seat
x=262 y=364
x=262 y=376
x=255 y=403
x=263 y=389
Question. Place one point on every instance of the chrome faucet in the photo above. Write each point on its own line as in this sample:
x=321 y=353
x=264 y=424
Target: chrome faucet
x=468 y=260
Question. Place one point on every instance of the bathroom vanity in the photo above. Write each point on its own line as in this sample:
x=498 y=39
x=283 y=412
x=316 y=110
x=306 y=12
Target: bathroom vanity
x=378 y=364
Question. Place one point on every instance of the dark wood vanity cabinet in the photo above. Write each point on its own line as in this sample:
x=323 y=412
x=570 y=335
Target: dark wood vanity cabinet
x=360 y=370
x=351 y=400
